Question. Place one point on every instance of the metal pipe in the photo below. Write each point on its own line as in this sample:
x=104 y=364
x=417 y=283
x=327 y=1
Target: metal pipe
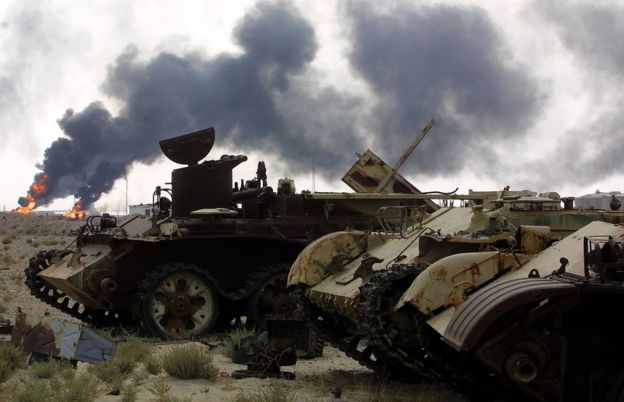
x=405 y=155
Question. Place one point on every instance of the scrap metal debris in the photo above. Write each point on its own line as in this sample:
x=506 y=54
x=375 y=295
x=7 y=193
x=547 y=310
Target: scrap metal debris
x=45 y=337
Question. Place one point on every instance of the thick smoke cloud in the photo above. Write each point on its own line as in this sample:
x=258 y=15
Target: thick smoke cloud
x=592 y=33
x=170 y=95
x=420 y=62
x=444 y=62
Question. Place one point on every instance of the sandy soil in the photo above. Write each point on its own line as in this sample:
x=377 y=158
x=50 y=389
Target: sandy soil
x=21 y=237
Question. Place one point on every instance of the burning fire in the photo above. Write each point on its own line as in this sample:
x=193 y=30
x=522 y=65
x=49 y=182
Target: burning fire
x=32 y=203
x=76 y=212
x=37 y=189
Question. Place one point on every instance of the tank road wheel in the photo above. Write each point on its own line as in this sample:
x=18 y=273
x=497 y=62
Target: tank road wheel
x=271 y=300
x=178 y=302
x=270 y=297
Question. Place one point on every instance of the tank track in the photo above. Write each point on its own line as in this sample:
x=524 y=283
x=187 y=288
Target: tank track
x=374 y=306
x=334 y=333
x=100 y=318
x=59 y=300
x=427 y=356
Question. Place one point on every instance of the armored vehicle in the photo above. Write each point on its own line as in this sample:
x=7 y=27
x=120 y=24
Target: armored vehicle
x=209 y=251
x=388 y=298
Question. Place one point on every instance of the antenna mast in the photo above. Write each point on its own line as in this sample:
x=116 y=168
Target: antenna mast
x=126 y=210
x=313 y=176
x=382 y=186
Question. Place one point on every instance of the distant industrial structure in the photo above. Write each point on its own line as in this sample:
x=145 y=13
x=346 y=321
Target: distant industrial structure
x=140 y=209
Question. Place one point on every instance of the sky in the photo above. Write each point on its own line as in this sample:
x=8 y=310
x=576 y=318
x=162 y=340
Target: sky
x=524 y=93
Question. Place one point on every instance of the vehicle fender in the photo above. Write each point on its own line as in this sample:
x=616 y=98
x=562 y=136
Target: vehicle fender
x=311 y=266
x=447 y=281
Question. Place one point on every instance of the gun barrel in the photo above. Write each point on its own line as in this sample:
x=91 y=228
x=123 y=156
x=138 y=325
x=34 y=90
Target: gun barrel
x=405 y=155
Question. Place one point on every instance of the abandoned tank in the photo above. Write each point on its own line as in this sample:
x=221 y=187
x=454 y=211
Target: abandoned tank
x=400 y=300
x=209 y=252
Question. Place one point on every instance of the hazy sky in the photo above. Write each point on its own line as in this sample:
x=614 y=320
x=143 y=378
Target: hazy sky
x=525 y=93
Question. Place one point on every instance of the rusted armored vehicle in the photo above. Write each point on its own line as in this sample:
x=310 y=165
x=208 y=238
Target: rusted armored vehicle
x=388 y=298
x=209 y=250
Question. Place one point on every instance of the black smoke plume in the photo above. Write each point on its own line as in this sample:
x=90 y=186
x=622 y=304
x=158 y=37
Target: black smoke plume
x=447 y=62
x=420 y=62
x=171 y=95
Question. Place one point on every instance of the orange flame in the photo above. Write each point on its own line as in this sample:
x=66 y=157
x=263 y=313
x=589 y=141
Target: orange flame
x=32 y=203
x=76 y=212
x=37 y=189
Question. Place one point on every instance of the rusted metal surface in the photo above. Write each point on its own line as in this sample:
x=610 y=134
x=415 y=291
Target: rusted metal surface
x=369 y=171
x=59 y=338
x=35 y=335
x=447 y=281
x=311 y=266
x=78 y=274
x=533 y=239
x=386 y=247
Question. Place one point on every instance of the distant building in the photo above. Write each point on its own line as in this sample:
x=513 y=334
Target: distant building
x=140 y=209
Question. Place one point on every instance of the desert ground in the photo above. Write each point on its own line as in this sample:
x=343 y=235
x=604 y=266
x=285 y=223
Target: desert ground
x=142 y=372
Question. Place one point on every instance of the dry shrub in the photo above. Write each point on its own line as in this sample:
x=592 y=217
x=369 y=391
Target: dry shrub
x=30 y=391
x=133 y=348
x=107 y=371
x=129 y=393
x=82 y=388
x=5 y=371
x=10 y=360
x=139 y=377
x=50 y=369
x=152 y=365
x=129 y=353
x=79 y=389
x=189 y=361
x=160 y=391
x=272 y=393
x=234 y=340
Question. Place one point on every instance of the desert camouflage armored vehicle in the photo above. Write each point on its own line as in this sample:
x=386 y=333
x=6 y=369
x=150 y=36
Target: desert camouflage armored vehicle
x=209 y=250
x=387 y=298
x=545 y=327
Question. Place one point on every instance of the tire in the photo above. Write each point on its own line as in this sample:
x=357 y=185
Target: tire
x=178 y=302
